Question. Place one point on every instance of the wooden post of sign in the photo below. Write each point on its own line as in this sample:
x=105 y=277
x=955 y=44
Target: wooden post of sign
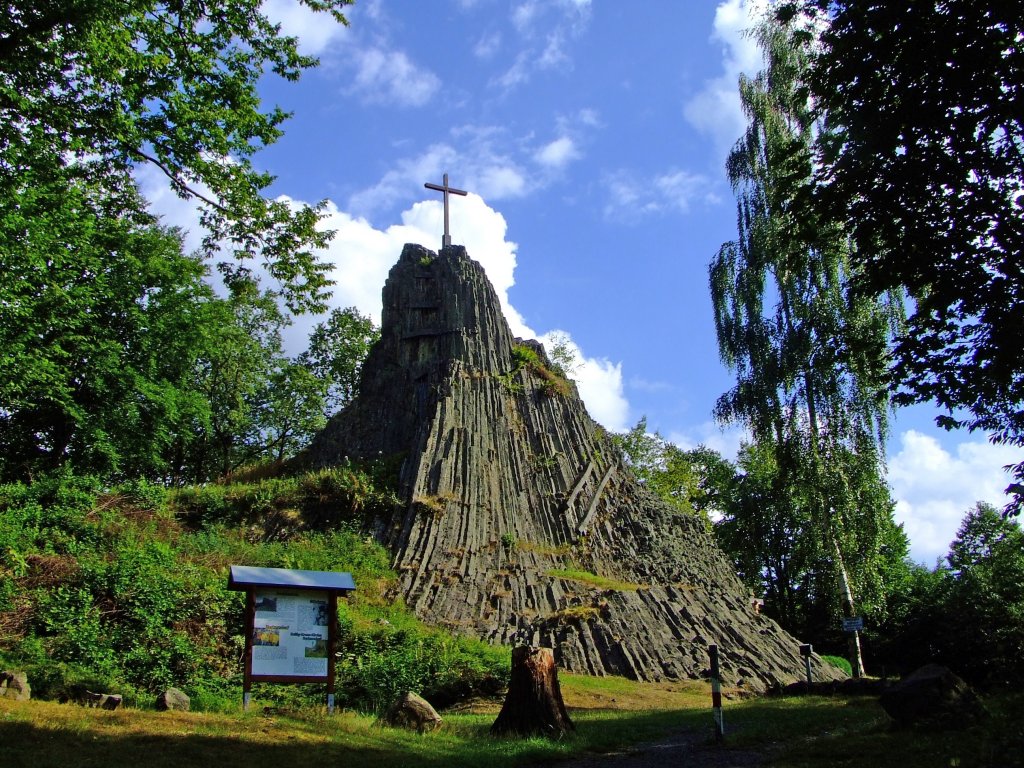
x=250 y=614
x=332 y=619
x=716 y=694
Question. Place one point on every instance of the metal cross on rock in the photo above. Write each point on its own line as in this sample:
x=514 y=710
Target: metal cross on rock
x=446 y=240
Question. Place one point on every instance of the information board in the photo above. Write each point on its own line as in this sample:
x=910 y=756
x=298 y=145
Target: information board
x=289 y=635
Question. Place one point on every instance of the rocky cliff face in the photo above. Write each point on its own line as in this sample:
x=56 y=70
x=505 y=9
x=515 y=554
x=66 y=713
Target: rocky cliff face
x=522 y=523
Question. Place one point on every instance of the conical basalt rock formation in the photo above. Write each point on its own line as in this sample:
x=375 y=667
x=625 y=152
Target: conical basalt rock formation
x=521 y=522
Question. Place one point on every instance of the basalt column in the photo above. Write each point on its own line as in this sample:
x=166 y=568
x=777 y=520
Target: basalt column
x=521 y=522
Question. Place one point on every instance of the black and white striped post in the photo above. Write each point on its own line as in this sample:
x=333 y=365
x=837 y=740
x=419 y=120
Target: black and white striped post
x=716 y=694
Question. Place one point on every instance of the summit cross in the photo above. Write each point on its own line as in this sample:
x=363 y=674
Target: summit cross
x=446 y=239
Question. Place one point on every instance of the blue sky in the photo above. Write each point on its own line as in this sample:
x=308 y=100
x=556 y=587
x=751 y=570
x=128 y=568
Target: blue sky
x=592 y=137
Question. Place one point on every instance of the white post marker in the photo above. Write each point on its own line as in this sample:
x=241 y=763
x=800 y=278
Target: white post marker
x=716 y=694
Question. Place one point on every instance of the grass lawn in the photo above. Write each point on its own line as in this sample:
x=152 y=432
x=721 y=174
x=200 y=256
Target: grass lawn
x=609 y=712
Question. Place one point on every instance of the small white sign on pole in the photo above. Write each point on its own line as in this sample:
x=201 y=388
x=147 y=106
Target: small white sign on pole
x=855 y=624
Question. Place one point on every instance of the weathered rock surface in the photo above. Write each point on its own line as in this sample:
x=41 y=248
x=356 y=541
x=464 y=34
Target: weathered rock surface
x=173 y=700
x=516 y=501
x=101 y=700
x=14 y=685
x=413 y=711
x=932 y=695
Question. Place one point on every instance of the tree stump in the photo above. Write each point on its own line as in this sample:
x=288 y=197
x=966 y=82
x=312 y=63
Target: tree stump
x=533 y=705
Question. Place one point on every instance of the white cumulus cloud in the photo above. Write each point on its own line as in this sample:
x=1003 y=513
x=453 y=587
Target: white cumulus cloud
x=315 y=31
x=934 y=488
x=390 y=77
x=558 y=154
x=715 y=109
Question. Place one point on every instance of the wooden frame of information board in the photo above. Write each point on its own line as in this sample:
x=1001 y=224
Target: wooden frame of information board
x=291 y=620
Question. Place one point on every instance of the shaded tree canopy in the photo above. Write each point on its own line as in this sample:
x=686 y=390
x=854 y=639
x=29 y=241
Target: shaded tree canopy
x=118 y=357
x=93 y=88
x=924 y=162
x=809 y=356
x=968 y=612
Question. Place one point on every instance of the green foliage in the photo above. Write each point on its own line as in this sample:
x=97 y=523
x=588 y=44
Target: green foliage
x=50 y=516
x=141 y=370
x=509 y=542
x=119 y=358
x=107 y=591
x=554 y=383
x=932 y=197
x=393 y=654
x=90 y=91
x=810 y=357
x=968 y=612
x=525 y=356
x=767 y=527
x=96 y=340
x=316 y=500
x=337 y=348
x=690 y=481
x=564 y=355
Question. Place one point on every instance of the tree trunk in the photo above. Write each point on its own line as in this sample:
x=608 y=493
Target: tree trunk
x=857 y=659
x=533 y=705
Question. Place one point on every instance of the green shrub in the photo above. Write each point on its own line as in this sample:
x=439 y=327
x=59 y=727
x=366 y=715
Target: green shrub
x=317 y=500
x=381 y=662
x=554 y=381
x=215 y=694
x=49 y=515
x=122 y=606
x=839 y=662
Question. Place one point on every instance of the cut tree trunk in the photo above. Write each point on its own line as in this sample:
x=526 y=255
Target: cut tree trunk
x=533 y=705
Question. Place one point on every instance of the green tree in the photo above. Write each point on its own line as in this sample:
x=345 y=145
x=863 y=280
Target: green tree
x=925 y=164
x=766 y=530
x=810 y=369
x=291 y=410
x=563 y=355
x=968 y=612
x=92 y=88
x=915 y=630
x=659 y=465
x=693 y=481
x=642 y=449
x=98 y=310
x=337 y=348
x=235 y=374
x=986 y=599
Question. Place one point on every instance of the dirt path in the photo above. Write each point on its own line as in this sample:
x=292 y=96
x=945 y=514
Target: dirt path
x=684 y=748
